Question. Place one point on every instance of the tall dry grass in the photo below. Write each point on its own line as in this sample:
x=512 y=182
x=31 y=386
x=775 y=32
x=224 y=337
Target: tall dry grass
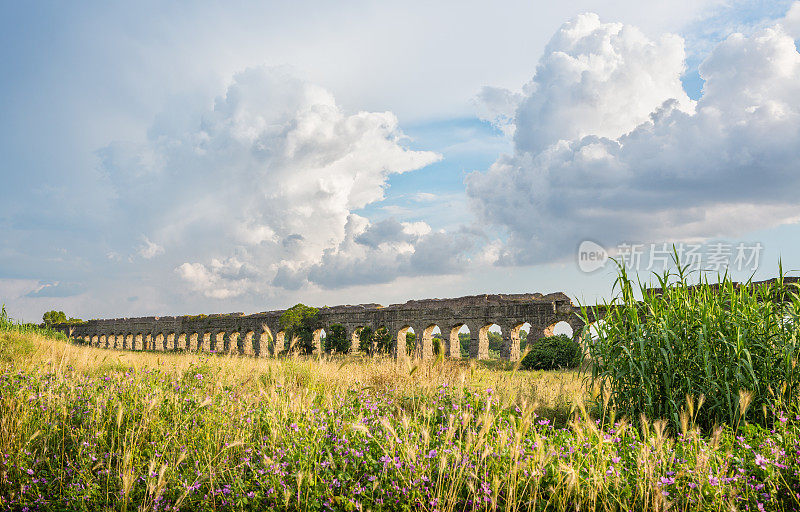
x=92 y=429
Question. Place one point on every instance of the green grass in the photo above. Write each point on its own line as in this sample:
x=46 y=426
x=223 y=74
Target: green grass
x=83 y=428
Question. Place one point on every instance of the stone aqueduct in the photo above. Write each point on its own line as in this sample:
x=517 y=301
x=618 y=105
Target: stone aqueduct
x=261 y=334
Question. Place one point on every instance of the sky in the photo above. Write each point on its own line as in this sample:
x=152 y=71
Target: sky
x=201 y=157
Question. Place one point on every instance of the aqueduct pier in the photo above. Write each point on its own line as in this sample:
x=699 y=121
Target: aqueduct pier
x=262 y=335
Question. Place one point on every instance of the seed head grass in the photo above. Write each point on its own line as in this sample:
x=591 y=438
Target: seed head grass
x=83 y=428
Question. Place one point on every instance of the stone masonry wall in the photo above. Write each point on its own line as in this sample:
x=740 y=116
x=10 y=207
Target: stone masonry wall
x=261 y=335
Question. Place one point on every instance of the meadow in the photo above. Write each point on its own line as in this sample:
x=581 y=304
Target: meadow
x=83 y=428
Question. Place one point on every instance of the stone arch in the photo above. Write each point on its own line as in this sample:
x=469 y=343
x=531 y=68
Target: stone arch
x=424 y=348
x=158 y=342
x=265 y=341
x=479 y=341
x=401 y=349
x=453 y=340
x=246 y=342
x=127 y=341
x=181 y=343
x=170 y=341
x=102 y=341
x=232 y=343
x=512 y=341
x=138 y=341
x=558 y=327
x=496 y=331
x=195 y=341
x=217 y=342
x=280 y=342
x=205 y=342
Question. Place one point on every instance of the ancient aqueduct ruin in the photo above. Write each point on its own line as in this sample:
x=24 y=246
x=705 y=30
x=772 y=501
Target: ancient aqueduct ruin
x=261 y=335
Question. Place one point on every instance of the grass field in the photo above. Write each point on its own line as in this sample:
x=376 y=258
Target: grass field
x=93 y=429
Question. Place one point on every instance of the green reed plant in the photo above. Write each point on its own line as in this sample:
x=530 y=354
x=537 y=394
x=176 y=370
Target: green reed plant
x=735 y=345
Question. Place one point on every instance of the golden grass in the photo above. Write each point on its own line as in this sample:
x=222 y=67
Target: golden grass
x=552 y=393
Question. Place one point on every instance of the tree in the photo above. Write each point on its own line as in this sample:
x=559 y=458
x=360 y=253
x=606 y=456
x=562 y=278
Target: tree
x=336 y=340
x=365 y=340
x=383 y=340
x=379 y=341
x=301 y=321
x=495 y=342
x=464 y=340
x=58 y=317
x=438 y=343
x=53 y=317
x=411 y=342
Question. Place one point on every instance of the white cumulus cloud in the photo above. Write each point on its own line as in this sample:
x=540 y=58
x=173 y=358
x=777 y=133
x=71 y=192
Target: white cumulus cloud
x=608 y=147
x=596 y=78
x=261 y=189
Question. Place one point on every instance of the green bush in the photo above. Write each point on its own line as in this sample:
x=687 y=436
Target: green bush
x=724 y=344
x=551 y=353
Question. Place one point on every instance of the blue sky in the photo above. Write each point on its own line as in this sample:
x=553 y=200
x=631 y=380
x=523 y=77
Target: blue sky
x=199 y=157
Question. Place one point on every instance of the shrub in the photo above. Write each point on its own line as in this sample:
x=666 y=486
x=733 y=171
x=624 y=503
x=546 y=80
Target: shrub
x=551 y=353
x=726 y=344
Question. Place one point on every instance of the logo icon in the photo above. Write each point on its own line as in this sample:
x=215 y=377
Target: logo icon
x=591 y=256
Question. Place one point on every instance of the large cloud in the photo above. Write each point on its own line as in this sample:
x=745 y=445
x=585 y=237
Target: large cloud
x=607 y=146
x=262 y=189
